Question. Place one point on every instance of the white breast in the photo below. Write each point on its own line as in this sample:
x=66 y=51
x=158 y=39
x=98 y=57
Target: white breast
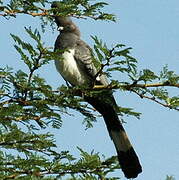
x=69 y=69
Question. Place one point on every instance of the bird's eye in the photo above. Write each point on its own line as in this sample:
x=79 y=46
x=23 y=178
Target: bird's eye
x=68 y=27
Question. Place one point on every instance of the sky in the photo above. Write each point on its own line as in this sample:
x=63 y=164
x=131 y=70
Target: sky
x=151 y=29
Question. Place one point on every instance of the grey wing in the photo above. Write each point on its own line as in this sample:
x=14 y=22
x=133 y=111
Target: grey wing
x=84 y=59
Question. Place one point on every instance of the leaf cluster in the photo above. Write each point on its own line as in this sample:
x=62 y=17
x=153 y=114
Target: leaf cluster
x=26 y=96
x=144 y=83
x=75 y=8
x=35 y=157
x=81 y=8
x=160 y=94
x=117 y=58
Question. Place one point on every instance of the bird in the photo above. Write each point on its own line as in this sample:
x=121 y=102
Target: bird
x=76 y=66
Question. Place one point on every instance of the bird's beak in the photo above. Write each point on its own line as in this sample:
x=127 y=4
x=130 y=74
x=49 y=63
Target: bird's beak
x=60 y=28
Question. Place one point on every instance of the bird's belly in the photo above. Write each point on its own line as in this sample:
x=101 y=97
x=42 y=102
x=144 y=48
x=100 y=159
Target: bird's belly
x=69 y=69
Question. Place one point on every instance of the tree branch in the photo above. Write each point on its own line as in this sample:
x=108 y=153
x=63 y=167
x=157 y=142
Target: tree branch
x=15 y=12
x=133 y=85
x=130 y=87
x=44 y=12
x=61 y=172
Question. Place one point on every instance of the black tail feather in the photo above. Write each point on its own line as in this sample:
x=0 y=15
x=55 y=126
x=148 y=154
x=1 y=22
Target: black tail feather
x=127 y=157
x=129 y=163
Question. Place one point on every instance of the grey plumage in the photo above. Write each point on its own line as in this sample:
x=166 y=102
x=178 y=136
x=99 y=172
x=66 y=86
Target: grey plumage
x=69 y=38
x=76 y=67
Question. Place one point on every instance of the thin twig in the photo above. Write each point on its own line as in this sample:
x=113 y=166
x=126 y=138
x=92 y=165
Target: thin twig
x=100 y=71
x=35 y=67
x=154 y=99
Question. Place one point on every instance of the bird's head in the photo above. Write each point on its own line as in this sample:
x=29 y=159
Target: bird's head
x=65 y=24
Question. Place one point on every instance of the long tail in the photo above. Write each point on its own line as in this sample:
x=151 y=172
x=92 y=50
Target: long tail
x=127 y=157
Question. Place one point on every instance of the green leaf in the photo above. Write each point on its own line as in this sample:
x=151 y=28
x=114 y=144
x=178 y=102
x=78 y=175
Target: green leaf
x=24 y=57
x=160 y=93
x=147 y=75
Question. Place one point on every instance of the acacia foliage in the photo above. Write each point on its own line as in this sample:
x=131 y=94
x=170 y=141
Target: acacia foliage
x=28 y=103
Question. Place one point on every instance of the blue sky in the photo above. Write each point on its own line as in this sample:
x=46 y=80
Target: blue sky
x=151 y=29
